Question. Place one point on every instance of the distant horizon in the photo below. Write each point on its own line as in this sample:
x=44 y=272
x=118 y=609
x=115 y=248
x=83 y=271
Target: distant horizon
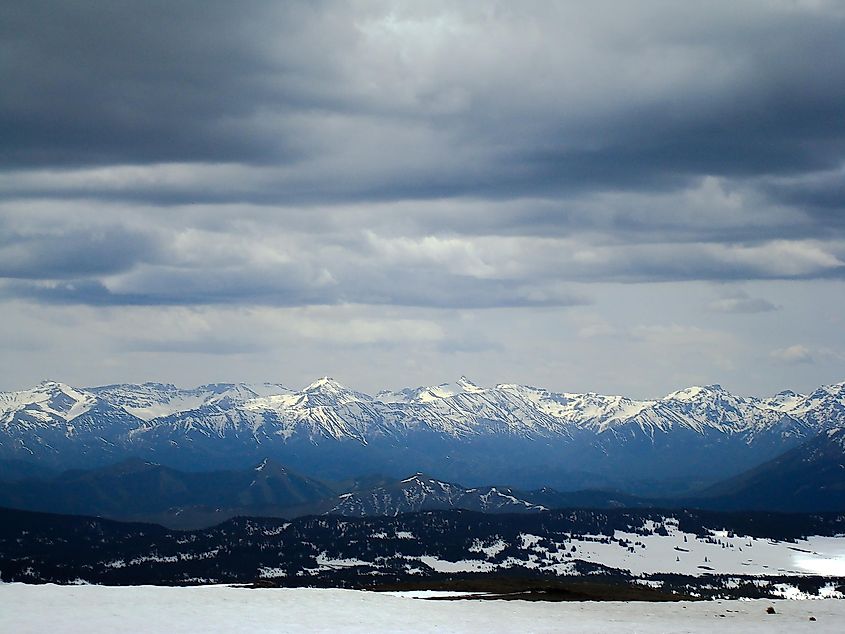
x=374 y=392
x=623 y=197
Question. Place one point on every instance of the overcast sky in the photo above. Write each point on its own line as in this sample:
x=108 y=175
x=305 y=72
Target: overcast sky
x=621 y=197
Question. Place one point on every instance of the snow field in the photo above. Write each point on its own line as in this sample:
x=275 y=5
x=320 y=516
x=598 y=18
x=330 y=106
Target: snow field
x=684 y=553
x=28 y=609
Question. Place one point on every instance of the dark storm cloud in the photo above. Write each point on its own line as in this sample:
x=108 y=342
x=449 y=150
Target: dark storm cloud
x=397 y=288
x=65 y=252
x=84 y=291
x=129 y=82
x=683 y=91
x=821 y=197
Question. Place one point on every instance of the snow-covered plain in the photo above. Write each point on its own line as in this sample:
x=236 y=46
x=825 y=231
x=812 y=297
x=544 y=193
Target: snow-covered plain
x=208 y=609
x=675 y=551
x=685 y=553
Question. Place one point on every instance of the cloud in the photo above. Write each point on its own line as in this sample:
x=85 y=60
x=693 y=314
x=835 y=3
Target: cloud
x=360 y=331
x=598 y=329
x=435 y=160
x=71 y=254
x=678 y=335
x=793 y=354
x=79 y=253
x=741 y=303
x=186 y=330
x=392 y=100
x=387 y=153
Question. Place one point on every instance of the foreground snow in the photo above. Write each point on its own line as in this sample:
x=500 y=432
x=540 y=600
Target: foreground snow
x=94 y=609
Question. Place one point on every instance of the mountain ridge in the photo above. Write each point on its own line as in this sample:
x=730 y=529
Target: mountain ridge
x=461 y=430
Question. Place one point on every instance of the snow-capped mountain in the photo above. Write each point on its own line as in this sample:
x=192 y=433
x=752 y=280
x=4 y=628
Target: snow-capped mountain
x=524 y=435
x=154 y=400
x=54 y=418
x=695 y=408
x=825 y=407
x=47 y=402
x=323 y=408
x=429 y=393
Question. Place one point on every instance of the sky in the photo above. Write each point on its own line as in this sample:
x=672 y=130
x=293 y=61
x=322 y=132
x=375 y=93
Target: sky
x=620 y=197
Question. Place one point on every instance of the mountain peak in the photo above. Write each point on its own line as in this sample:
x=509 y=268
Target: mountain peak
x=695 y=392
x=836 y=388
x=153 y=384
x=420 y=478
x=49 y=397
x=328 y=392
x=467 y=385
x=324 y=384
x=50 y=385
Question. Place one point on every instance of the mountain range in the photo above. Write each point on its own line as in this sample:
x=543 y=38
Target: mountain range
x=809 y=478
x=524 y=436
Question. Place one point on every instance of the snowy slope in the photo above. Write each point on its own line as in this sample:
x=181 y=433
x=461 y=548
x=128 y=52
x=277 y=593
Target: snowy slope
x=47 y=402
x=824 y=407
x=154 y=400
x=325 y=408
x=54 y=419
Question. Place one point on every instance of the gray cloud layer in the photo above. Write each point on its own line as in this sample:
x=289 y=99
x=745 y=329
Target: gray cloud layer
x=539 y=98
x=453 y=157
